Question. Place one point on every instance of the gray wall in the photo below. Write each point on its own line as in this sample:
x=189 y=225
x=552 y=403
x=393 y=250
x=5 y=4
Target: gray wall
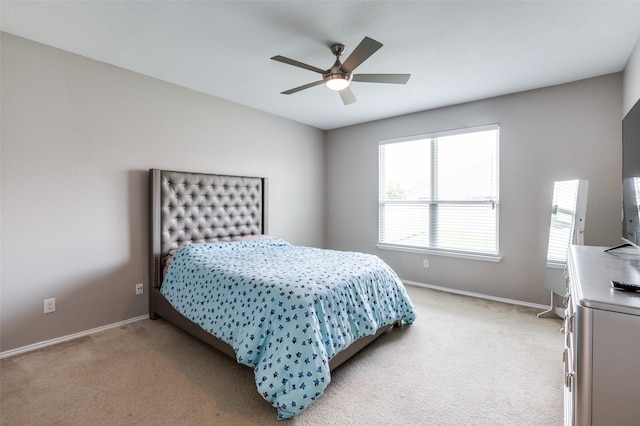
x=78 y=137
x=562 y=132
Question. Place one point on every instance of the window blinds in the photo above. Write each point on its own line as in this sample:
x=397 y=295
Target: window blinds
x=440 y=191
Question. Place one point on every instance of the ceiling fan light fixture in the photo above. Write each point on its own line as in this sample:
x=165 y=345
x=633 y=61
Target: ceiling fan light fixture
x=337 y=81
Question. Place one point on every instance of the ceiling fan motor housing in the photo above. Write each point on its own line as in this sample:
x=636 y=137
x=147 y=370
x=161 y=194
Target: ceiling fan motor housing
x=336 y=72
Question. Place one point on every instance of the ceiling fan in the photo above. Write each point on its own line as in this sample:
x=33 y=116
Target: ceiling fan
x=339 y=76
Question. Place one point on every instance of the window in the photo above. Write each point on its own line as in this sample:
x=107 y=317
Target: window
x=440 y=191
x=567 y=219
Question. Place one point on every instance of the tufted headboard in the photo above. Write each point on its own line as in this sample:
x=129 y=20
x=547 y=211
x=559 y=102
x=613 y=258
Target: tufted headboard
x=197 y=208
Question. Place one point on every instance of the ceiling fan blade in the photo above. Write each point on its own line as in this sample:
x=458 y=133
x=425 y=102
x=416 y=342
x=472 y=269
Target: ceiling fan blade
x=298 y=64
x=299 y=88
x=347 y=96
x=366 y=48
x=382 y=78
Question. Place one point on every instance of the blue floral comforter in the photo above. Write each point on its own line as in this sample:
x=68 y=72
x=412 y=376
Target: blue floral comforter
x=286 y=310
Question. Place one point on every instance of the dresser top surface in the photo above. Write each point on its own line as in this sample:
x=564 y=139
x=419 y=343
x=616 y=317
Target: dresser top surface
x=595 y=269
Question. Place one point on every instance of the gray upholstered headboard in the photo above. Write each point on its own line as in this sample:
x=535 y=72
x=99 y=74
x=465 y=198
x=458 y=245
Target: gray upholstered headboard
x=197 y=208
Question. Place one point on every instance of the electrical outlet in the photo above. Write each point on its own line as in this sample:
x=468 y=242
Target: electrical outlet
x=49 y=305
x=139 y=289
x=425 y=263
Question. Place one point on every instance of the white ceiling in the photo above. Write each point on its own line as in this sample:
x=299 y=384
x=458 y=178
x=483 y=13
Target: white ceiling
x=455 y=51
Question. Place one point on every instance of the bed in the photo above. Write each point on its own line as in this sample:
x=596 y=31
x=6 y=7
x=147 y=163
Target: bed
x=291 y=313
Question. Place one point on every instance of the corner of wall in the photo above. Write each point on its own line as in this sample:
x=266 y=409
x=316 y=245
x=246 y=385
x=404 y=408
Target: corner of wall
x=631 y=80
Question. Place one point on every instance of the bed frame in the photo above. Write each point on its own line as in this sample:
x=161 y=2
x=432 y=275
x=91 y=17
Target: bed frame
x=197 y=208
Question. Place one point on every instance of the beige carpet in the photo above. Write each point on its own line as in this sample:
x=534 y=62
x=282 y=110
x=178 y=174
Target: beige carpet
x=465 y=361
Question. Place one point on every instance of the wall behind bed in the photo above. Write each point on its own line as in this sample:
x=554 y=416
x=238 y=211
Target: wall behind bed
x=78 y=137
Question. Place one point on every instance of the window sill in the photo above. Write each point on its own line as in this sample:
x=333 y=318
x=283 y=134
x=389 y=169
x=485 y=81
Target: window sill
x=459 y=255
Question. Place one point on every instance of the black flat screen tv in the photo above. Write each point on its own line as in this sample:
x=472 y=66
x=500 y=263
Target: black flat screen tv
x=631 y=177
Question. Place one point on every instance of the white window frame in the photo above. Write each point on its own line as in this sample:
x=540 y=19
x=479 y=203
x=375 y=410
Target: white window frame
x=493 y=201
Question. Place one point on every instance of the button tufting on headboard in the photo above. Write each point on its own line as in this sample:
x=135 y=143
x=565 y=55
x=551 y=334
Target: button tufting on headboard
x=198 y=207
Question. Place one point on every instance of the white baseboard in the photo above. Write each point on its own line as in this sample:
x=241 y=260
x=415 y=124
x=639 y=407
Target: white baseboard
x=51 y=342
x=57 y=340
x=478 y=295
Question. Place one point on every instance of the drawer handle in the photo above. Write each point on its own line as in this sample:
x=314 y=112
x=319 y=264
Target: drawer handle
x=568 y=380
x=570 y=323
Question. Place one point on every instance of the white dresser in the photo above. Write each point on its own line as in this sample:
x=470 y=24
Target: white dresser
x=602 y=338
